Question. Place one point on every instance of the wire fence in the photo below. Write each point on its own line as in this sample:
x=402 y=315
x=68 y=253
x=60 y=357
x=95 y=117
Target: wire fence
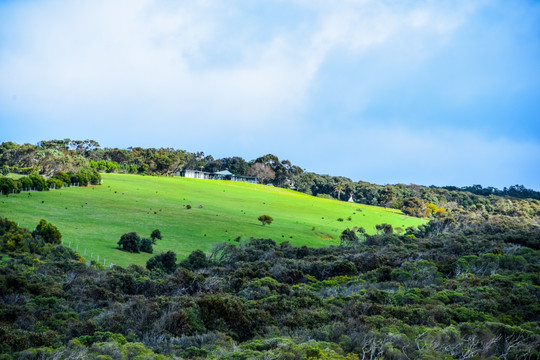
x=34 y=188
x=93 y=256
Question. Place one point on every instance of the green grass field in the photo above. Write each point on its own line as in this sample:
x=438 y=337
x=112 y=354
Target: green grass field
x=93 y=218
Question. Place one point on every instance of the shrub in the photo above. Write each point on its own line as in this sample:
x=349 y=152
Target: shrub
x=38 y=182
x=385 y=228
x=415 y=206
x=7 y=185
x=55 y=183
x=48 y=232
x=164 y=261
x=348 y=238
x=62 y=176
x=146 y=246
x=196 y=260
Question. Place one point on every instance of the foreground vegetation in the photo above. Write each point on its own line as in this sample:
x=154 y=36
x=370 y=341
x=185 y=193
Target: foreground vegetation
x=456 y=288
x=465 y=285
x=95 y=217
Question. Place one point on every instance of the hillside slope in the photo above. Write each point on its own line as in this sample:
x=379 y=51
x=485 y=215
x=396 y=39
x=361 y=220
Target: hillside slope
x=92 y=219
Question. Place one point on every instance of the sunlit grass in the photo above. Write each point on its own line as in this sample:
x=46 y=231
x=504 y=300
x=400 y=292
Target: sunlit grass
x=92 y=219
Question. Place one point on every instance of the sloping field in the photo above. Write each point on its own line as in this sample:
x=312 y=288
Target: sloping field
x=92 y=219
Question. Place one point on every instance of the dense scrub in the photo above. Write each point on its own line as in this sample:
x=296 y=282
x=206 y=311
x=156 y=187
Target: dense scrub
x=466 y=285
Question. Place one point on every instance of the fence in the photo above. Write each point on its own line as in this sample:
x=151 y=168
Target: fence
x=89 y=261
x=51 y=187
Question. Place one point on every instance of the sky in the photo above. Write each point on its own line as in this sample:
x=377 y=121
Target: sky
x=424 y=92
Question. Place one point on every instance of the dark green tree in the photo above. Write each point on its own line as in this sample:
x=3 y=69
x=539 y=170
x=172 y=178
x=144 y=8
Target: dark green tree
x=130 y=242
x=156 y=234
x=265 y=219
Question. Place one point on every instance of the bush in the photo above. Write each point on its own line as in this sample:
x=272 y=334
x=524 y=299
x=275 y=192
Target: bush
x=348 y=238
x=55 y=183
x=146 y=246
x=196 y=260
x=415 y=206
x=48 y=232
x=25 y=183
x=38 y=182
x=164 y=261
x=7 y=185
x=86 y=176
x=385 y=228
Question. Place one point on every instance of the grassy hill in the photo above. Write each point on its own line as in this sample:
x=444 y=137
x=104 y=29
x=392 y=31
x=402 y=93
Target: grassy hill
x=92 y=219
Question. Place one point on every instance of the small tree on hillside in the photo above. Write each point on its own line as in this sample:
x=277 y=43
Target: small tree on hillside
x=130 y=242
x=265 y=219
x=156 y=234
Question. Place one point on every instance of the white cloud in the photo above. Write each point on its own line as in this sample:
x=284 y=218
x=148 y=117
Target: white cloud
x=78 y=56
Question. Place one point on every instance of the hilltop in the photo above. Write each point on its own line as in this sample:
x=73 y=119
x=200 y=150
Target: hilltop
x=93 y=218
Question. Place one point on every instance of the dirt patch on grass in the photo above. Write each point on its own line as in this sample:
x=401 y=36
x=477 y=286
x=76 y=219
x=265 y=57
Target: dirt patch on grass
x=325 y=236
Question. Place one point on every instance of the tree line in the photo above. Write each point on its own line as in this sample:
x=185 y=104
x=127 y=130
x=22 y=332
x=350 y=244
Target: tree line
x=49 y=158
x=36 y=182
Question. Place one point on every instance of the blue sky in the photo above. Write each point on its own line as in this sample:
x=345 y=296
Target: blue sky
x=425 y=92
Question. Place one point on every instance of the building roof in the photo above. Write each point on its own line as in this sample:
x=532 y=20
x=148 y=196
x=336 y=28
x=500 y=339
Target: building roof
x=224 y=172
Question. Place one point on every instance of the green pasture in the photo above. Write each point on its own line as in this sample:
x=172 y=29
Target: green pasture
x=93 y=218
